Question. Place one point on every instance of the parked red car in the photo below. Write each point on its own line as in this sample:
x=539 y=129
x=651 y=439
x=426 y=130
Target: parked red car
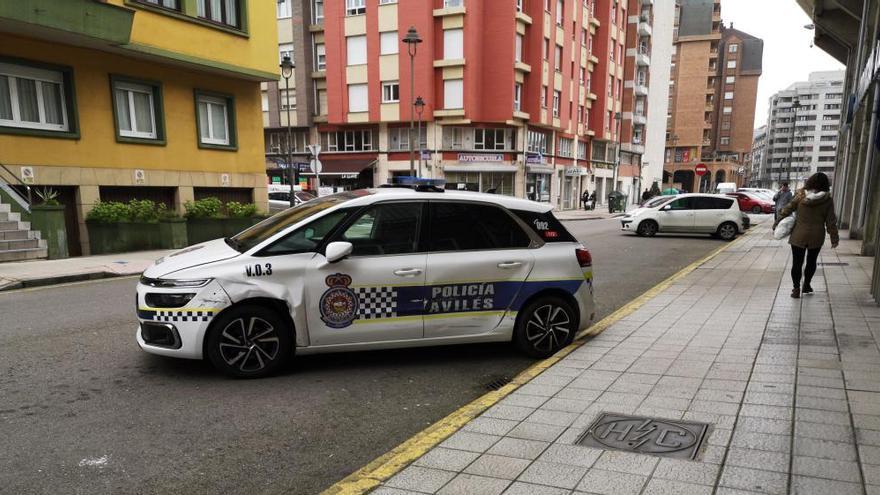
x=753 y=203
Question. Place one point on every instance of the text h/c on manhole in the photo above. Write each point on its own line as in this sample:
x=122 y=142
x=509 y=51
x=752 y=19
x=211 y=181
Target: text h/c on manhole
x=667 y=438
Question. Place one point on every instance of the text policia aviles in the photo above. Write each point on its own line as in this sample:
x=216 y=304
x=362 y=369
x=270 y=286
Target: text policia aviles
x=456 y=298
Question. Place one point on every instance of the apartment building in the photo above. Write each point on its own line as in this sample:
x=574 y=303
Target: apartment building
x=713 y=89
x=509 y=91
x=663 y=21
x=636 y=69
x=122 y=99
x=756 y=160
x=803 y=124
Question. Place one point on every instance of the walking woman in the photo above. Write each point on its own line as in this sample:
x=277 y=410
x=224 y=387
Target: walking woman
x=815 y=214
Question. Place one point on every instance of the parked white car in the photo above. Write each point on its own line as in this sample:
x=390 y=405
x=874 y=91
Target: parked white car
x=373 y=268
x=688 y=213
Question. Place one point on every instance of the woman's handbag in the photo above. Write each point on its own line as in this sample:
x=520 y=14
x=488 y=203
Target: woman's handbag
x=785 y=226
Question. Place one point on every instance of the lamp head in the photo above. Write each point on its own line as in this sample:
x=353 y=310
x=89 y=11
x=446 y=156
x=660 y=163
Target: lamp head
x=286 y=67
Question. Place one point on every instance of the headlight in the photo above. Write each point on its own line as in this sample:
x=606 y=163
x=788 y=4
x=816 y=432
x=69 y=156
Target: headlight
x=167 y=283
x=162 y=300
x=636 y=213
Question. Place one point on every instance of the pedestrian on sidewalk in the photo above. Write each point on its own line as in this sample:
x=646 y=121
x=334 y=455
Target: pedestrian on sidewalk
x=646 y=196
x=585 y=199
x=593 y=200
x=815 y=215
x=782 y=198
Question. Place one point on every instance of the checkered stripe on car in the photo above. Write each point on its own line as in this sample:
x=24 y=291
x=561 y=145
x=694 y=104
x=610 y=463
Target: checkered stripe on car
x=376 y=302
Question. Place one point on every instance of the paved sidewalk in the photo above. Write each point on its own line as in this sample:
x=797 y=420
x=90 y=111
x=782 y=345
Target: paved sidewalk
x=790 y=389
x=17 y=275
x=599 y=213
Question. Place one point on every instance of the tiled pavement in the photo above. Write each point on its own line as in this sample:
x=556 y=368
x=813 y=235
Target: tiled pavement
x=790 y=387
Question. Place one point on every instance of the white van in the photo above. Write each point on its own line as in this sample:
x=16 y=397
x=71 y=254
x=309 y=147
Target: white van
x=725 y=187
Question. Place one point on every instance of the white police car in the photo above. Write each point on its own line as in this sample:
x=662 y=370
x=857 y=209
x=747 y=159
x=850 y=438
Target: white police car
x=373 y=268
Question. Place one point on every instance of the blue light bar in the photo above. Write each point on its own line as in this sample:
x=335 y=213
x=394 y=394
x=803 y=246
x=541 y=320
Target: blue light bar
x=409 y=181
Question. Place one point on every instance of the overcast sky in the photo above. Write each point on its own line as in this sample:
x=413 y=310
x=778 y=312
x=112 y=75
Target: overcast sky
x=788 y=57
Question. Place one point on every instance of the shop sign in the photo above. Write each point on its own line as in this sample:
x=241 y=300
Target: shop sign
x=348 y=176
x=535 y=158
x=575 y=171
x=478 y=158
x=303 y=167
x=426 y=155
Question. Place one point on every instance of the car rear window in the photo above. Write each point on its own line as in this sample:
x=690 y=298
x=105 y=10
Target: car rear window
x=545 y=225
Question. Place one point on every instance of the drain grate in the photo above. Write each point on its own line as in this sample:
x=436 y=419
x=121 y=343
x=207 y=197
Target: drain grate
x=654 y=436
x=497 y=383
x=832 y=263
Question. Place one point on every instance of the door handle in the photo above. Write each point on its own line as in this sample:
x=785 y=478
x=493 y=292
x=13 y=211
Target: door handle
x=407 y=272
x=509 y=264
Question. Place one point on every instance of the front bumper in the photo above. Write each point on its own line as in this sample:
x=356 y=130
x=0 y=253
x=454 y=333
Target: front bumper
x=626 y=225
x=178 y=332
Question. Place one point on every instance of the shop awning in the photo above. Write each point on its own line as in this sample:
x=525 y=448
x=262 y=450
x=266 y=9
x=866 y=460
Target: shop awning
x=343 y=167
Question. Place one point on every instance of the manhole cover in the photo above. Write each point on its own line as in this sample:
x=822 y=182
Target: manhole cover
x=832 y=263
x=655 y=436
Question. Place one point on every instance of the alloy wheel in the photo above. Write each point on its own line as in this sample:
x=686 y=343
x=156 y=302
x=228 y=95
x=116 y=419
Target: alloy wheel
x=548 y=327
x=249 y=346
x=727 y=231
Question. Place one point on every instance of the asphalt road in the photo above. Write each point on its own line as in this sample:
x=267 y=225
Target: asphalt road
x=83 y=410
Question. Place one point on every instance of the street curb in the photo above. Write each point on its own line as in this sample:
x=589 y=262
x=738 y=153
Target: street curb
x=395 y=460
x=61 y=279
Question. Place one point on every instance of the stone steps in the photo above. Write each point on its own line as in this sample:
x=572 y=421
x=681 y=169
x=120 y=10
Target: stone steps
x=17 y=241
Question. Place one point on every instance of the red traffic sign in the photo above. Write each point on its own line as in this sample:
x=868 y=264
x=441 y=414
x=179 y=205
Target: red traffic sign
x=701 y=169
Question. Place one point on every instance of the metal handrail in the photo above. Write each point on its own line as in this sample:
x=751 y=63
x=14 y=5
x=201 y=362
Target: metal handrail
x=30 y=199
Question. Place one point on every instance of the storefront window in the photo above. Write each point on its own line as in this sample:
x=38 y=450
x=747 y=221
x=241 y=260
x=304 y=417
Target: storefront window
x=538 y=187
x=497 y=182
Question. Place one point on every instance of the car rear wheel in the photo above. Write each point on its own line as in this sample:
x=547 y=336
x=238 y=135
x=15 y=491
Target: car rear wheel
x=648 y=228
x=727 y=231
x=248 y=342
x=756 y=209
x=544 y=326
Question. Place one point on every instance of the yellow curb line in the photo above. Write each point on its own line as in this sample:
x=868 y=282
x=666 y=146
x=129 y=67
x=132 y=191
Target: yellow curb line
x=393 y=461
x=68 y=284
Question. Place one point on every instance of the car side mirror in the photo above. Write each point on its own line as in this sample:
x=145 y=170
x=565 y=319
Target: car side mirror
x=666 y=208
x=337 y=251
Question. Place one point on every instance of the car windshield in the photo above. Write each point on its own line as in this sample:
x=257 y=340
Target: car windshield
x=291 y=216
x=658 y=201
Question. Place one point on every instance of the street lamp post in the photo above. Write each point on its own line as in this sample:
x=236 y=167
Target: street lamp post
x=674 y=140
x=292 y=175
x=794 y=106
x=412 y=41
x=420 y=107
x=617 y=118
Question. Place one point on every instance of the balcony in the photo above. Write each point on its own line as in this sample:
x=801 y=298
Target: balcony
x=647 y=2
x=78 y=22
x=522 y=67
x=639 y=119
x=644 y=28
x=713 y=53
x=643 y=59
x=640 y=89
x=707 y=142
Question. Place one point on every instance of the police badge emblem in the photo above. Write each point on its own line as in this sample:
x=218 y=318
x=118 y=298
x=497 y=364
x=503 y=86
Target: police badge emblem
x=338 y=304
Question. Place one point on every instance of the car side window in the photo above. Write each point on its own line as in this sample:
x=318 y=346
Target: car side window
x=391 y=228
x=306 y=239
x=470 y=227
x=681 y=204
x=706 y=203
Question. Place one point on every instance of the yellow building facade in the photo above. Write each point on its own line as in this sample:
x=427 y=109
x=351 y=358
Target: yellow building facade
x=147 y=99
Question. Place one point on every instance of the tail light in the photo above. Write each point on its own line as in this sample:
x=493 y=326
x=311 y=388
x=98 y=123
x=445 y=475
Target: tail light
x=584 y=257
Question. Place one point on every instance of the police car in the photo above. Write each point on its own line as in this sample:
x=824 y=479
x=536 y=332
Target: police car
x=377 y=268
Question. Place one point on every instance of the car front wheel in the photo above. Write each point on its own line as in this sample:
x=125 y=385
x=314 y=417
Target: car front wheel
x=544 y=326
x=727 y=231
x=248 y=342
x=648 y=228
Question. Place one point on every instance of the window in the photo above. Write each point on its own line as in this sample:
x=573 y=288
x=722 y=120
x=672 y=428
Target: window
x=33 y=98
x=728 y=95
x=390 y=92
x=519 y=5
x=356 y=49
x=565 y=147
x=491 y=228
x=453 y=3
x=611 y=85
x=582 y=150
x=517 y=97
x=215 y=124
x=358 y=98
x=584 y=36
x=283 y=8
x=320 y=57
x=351 y=140
x=728 y=110
x=220 y=11
x=172 y=4
x=558 y=59
x=557 y=98
x=318 y=11
x=731 y=64
x=285 y=50
x=518 y=43
x=304 y=239
x=453 y=44
x=614 y=12
x=388 y=43
x=730 y=79
x=583 y=77
x=355 y=7
x=708 y=203
x=491 y=139
x=385 y=229
x=287 y=98
x=581 y=114
x=453 y=93
x=546 y=48
x=637 y=135
x=682 y=204
x=537 y=142
x=725 y=140
x=135 y=109
x=732 y=48
x=387 y=2
x=398 y=138
x=560 y=8
x=544 y=90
